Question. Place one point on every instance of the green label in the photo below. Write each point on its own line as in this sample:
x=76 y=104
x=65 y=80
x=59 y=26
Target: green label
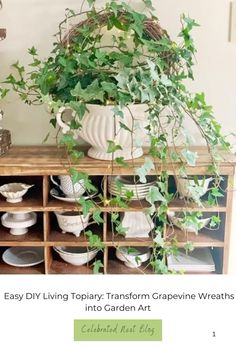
x=118 y=330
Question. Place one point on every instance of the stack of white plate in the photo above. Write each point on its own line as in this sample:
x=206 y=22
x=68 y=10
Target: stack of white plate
x=199 y=260
x=130 y=183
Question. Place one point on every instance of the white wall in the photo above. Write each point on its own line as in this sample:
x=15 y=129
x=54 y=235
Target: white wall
x=32 y=22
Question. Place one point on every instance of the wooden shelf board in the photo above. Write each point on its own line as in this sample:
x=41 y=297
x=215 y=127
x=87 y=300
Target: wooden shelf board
x=57 y=205
x=33 y=236
x=125 y=241
x=57 y=238
x=181 y=204
x=28 y=204
x=58 y=266
x=118 y=267
x=47 y=160
x=22 y=243
x=200 y=240
x=7 y=269
x=135 y=205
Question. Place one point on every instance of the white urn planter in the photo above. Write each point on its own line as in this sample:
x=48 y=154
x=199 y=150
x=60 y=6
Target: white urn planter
x=100 y=125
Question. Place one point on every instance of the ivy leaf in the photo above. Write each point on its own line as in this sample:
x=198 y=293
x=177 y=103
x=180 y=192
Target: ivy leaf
x=124 y=126
x=121 y=230
x=96 y=266
x=77 y=176
x=153 y=72
x=47 y=80
x=159 y=240
x=90 y=93
x=112 y=147
x=118 y=112
x=190 y=157
x=165 y=81
x=122 y=78
x=109 y=87
x=69 y=141
x=94 y=240
x=118 y=201
x=129 y=194
x=115 y=217
x=121 y=161
x=86 y=205
x=144 y=170
x=160 y=267
x=91 y=2
x=174 y=156
x=76 y=155
x=189 y=246
x=97 y=216
x=215 y=221
x=3 y=92
x=216 y=193
x=79 y=107
x=148 y=4
x=154 y=195
x=32 y=51
x=131 y=250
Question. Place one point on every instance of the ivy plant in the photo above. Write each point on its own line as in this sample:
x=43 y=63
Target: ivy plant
x=140 y=64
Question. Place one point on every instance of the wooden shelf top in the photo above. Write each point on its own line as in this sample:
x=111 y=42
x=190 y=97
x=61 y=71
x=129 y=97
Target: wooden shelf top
x=33 y=236
x=48 y=160
x=118 y=267
x=203 y=239
x=58 y=266
x=7 y=269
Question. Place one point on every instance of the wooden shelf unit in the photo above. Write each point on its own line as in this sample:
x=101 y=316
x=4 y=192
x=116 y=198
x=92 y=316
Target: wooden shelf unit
x=35 y=164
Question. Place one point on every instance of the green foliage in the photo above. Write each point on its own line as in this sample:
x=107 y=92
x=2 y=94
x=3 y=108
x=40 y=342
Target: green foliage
x=3 y=92
x=89 y=70
x=215 y=221
x=144 y=170
x=190 y=157
x=82 y=177
x=97 y=265
x=97 y=216
x=113 y=147
x=190 y=220
x=94 y=240
x=189 y=247
x=120 y=161
x=87 y=205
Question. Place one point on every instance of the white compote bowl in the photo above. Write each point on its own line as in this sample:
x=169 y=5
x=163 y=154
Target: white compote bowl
x=14 y=191
x=18 y=222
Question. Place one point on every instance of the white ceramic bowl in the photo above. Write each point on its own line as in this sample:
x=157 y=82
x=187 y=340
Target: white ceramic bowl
x=14 y=191
x=134 y=259
x=188 y=188
x=76 y=255
x=178 y=222
x=73 y=222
